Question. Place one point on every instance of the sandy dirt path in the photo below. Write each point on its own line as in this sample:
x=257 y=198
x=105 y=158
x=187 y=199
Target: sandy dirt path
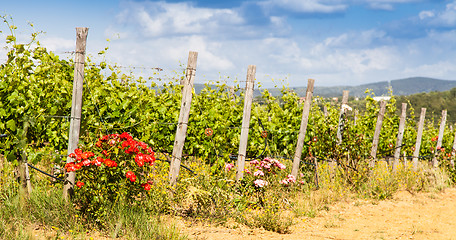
x=406 y=216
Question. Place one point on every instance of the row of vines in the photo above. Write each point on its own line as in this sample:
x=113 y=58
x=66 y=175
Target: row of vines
x=36 y=88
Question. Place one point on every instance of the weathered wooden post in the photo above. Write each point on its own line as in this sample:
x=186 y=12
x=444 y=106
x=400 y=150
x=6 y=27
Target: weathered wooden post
x=245 y=121
x=181 y=131
x=343 y=111
x=232 y=94
x=400 y=136
x=435 y=162
x=378 y=128
x=76 y=106
x=419 y=134
x=355 y=117
x=303 y=128
x=453 y=151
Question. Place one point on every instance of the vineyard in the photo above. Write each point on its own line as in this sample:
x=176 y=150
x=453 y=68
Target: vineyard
x=134 y=122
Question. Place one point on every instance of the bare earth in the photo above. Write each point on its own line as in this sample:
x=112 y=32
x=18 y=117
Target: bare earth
x=406 y=216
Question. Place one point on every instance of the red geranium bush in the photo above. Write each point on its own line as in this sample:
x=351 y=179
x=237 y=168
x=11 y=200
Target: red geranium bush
x=116 y=170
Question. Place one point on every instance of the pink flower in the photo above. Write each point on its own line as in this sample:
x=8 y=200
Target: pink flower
x=254 y=162
x=291 y=178
x=258 y=173
x=302 y=182
x=229 y=166
x=281 y=165
x=284 y=182
x=260 y=183
x=266 y=165
x=247 y=171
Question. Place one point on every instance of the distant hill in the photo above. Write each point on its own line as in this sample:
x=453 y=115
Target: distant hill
x=405 y=86
x=401 y=87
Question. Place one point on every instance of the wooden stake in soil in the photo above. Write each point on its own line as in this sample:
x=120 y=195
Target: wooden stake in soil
x=419 y=134
x=453 y=151
x=378 y=128
x=355 y=117
x=303 y=128
x=343 y=111
x=400 y=136
x=245 y=121
x=181 y=131
x=435 y=162
x=76 y=106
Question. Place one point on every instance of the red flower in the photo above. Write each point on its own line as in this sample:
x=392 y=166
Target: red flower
x=98 y=144
x=72 y=155
x=97 y=162
x=110 y=163
x=70 y=167
x=78 y=166
x=139 y=159
x=133 y=178
x=104 y=138
x=86 y=162
x=79 y=184
x=129 y=174
x=132 y=149
x=125 y=136
x=146 y=186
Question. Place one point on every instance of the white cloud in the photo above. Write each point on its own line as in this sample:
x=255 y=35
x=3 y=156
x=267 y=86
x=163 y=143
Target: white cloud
x=226 y=44
x=157 y=19
x=426 y=14
x=444 y=18
x=440 y=69
x=58 y=44
x=307 y=6
x=387 y=5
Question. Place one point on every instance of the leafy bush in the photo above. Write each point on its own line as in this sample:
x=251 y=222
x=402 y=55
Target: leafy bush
x=118 y=172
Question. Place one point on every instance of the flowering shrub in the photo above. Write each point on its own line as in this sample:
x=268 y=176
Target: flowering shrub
x=116 y=171
x=258 y=175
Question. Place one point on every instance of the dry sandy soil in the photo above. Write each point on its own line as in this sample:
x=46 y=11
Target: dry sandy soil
x=406 y=216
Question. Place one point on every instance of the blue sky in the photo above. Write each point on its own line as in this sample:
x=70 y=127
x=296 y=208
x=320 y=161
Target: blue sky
x=335 y=42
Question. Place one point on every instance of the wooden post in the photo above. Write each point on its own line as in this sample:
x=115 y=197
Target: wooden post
x=355 y=117
x=76 y=106
x=435 y=162
x=400 y=136
x=181 y=131
x=343 y=110
x=245 y=121
x=419 y=134
x=325 y=111
x=27 y=175
x=232 y=94
x=303 y=128
x=453 y=151
x=22 y=168
x=378 y=128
